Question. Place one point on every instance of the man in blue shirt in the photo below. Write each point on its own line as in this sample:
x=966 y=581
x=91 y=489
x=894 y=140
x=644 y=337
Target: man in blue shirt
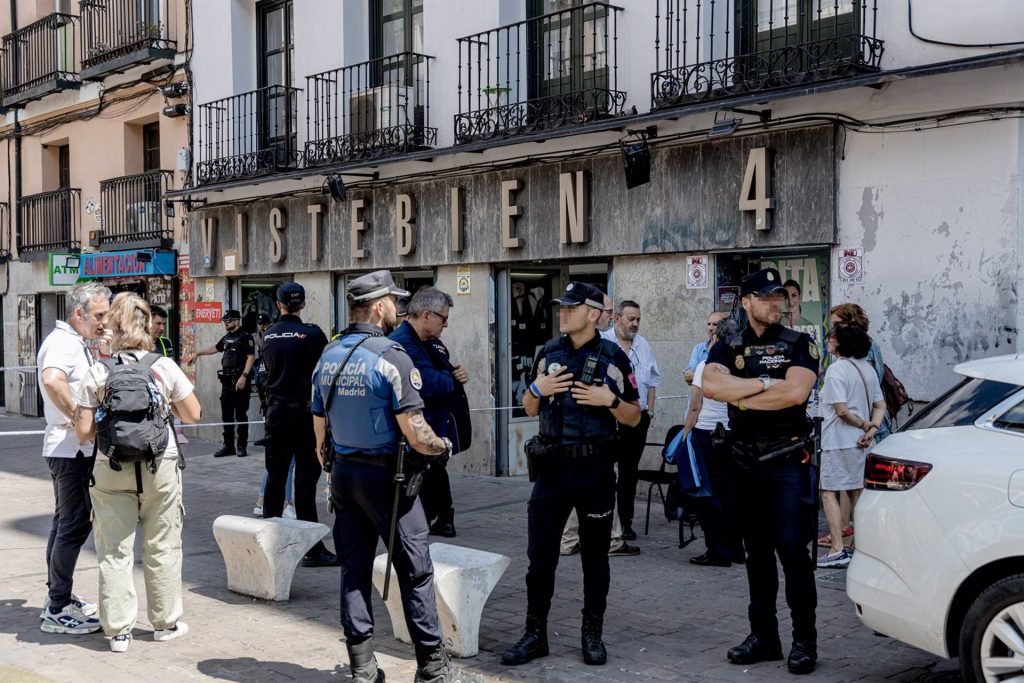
x=700 y=351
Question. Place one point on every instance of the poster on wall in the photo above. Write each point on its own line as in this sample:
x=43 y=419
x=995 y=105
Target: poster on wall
x=186 y=318
x=697 y=271
x=851 y=265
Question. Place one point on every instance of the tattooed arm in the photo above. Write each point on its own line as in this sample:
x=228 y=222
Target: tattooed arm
x=420 y=436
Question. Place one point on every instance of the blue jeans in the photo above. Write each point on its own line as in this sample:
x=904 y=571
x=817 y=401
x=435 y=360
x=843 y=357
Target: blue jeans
x=287 y=486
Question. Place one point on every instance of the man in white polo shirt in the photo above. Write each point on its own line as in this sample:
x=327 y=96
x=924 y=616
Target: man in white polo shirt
x=62 y=361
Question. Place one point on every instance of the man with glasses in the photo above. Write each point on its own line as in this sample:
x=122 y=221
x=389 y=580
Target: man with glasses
x=420 y=335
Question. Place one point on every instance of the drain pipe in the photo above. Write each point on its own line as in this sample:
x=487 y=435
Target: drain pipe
x=16 y=204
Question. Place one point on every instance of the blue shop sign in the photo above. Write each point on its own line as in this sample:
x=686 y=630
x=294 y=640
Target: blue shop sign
x=100 y=264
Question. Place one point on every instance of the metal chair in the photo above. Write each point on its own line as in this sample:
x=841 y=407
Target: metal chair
x=659 y=477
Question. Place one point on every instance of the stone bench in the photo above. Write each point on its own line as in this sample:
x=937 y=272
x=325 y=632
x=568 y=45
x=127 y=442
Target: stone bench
x=261 y=555
x=463 y=580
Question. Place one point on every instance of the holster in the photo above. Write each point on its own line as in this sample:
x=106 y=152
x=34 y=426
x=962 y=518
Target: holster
x=537 y=449
x=416 y=467
x=751 y=455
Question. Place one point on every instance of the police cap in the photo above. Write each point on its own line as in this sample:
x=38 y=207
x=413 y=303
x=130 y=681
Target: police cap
x=577 y=293
x=763 y=283
x=231 y=314
x=263 y=319
x=373 y=286
x=291 y=293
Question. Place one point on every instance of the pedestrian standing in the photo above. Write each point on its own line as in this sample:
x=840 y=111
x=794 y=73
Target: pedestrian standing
x=126 y=495
x=700 y=351
x=290 y=352
x=61 y=363
x=766 y=375
x=582 y=387
x=632 y=440
x=239 y=354
x=366 y=390
x=158 y=328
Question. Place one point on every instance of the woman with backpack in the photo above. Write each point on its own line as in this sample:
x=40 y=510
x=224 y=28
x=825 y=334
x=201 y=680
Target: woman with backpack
x=126 y=403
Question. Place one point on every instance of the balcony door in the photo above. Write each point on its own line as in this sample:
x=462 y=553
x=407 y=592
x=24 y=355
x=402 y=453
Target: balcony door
x=392 y=96
x=570 y=40
x=277 y=104
x=772 y=25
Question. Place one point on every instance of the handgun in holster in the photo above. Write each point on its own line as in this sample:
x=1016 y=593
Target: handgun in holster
x=537 y=448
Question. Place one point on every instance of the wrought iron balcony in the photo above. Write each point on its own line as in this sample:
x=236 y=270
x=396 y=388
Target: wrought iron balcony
x=710 y=49
x=555 y=70
x=133 y=215
x=247 y=135
x=40 y=59
x=118 y=34
x=370 y=110
x=48 y=222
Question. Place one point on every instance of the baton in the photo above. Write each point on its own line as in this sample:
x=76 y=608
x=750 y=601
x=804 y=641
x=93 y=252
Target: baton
x=399 y=480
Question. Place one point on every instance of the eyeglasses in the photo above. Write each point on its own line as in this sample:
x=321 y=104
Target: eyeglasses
x=444 y=318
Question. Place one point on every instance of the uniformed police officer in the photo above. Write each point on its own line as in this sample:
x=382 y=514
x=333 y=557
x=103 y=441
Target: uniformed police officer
x=582 y=387
x=366 y=389
x=290 y=352
x=766 y=374
x=239 y=351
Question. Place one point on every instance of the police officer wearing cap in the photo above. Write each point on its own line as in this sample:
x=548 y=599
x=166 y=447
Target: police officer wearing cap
x=366 y=389
x=259 y=374
x=239 y=354
x=582 y=389
x=290 y=351
x=766 y=374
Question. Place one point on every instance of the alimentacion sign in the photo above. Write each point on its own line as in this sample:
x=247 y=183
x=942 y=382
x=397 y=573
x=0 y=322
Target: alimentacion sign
x=67 y=269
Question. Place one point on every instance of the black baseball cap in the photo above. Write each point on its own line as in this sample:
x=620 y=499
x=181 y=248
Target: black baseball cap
x=577 y=293
x=373 y=286
x=231 y=314
x=291 y=293
x=263 y=319
x=764 y=282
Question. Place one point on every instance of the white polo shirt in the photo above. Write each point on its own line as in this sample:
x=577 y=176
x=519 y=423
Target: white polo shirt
x=65 y=350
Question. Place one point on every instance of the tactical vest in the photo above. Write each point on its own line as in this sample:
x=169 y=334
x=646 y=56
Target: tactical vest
x=561 y=418
x=234 y=351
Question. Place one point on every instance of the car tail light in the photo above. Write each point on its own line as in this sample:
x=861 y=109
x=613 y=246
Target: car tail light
x=890 y=474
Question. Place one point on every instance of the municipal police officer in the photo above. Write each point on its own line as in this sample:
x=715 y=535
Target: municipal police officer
x=239 y=351
x=366 y=389
x=290 y=350
x=582 y=387
x=766 y=374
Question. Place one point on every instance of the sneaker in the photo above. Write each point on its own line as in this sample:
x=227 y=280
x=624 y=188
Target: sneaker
x=624 y=549
x=69 y=620
x=162 y=636
x=258 y=511
x=572 y=550
x=289 y=512
x=120 y=642
x=87 y=608
x=840 y=559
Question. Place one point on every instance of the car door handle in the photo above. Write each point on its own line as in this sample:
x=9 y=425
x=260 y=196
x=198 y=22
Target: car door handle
x=1016 y=490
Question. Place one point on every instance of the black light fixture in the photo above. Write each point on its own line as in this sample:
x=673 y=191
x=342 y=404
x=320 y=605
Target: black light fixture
x=335 y=184
x=174 y=90
x=174 y=111
x=636 y=156
x=144 y=256
x=725 y=125
x=169 y=208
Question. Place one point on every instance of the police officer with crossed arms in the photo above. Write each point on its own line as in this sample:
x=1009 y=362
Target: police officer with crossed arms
x=582 y=388
x=366 y=389
x=765 y=374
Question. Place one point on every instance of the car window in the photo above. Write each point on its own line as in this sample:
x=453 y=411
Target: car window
x=1012 y=419
x=963 y=404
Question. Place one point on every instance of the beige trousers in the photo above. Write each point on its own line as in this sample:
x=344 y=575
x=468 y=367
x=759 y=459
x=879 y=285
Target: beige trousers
x=117 y=509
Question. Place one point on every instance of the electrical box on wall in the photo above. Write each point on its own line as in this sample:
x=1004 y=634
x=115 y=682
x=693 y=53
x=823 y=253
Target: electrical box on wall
x=184 y=159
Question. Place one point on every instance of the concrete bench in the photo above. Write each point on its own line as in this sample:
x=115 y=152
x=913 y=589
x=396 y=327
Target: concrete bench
x=463 y=580
x=261 y=555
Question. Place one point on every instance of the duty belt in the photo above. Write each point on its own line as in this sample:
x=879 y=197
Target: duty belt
x=377 y=460
x=583 y=450
x=778 y=450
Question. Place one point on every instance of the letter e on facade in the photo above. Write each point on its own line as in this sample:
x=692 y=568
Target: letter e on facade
x=509 y=212
x=277 y=243
x=357 y=227
x=405 y=220
x=573 y=217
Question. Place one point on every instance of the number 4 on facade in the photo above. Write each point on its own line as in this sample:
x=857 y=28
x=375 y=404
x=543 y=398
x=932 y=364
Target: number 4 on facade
x=756 y=182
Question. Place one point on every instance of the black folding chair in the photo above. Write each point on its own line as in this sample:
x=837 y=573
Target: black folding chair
x=659 y=477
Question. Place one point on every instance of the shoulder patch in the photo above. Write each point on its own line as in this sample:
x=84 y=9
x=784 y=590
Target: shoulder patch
x=812 y=350
x=415 y=379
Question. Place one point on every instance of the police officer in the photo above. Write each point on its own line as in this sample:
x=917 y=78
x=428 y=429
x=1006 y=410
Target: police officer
x=259 y=374
x=239 y=351
x=366 y=389
x=290 y=351
x=582 y=387
x=766 y=374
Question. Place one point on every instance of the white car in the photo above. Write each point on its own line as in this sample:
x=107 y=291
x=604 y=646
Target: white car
x=939 y=560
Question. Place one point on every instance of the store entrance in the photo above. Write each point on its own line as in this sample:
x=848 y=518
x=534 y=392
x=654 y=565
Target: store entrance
x=526 y=321
x=255 y=297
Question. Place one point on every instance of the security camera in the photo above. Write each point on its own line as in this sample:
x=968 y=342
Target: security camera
x=174 y=111
x=174 y=90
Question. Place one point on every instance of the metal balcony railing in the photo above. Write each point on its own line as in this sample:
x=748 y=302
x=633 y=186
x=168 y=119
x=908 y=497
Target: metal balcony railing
x=40 y=59
x=133 y=214
x=370 y=110
x=709 y=49
x=559 y=69
x=118 y=34
x=247 y=135
x=49 y=221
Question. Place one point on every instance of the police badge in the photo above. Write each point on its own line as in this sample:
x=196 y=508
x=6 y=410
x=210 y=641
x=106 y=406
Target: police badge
x=740 y=362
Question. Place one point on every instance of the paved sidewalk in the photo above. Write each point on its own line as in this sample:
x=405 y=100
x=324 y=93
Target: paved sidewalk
x=667 y=620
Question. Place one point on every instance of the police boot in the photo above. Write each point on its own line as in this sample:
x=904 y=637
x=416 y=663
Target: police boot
x=532 y=645
x=363 y=663
x=436 y=667
x=226 y=449
x=445 y=524
x=590 y=640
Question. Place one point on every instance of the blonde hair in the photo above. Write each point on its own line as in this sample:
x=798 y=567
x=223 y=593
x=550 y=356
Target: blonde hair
x=129 y=319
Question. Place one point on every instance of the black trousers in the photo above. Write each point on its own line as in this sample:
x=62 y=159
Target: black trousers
x=290 y=429
x=72 y=523
x=723 y=536
x=436 y=494
x=588 y=486
x=631 y=449
x=234 y=407
x=363 y=496
x=779 y=517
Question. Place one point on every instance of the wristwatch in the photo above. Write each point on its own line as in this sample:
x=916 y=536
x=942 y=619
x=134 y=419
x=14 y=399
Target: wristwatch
x=766 y=381
x=615 y=403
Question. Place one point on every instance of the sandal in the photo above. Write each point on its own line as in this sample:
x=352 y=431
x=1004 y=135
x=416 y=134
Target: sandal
x=826 y=540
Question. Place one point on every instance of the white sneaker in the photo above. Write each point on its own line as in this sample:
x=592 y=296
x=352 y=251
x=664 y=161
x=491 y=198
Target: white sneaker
x=87 y=608
x=289 y=512
x=120 y=642
x=180 y=629
x=69 y=620
x=258 y=511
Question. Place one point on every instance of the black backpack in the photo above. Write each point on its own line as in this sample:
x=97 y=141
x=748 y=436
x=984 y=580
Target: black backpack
x=132 y=419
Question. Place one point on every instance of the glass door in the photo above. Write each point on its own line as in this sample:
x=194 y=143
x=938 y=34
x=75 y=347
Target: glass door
x=277 y=102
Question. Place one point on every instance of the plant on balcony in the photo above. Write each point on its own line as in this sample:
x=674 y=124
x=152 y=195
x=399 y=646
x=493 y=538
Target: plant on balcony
x=148 y=30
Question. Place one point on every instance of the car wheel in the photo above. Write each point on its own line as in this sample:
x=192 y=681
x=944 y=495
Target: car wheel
x=992 y=634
